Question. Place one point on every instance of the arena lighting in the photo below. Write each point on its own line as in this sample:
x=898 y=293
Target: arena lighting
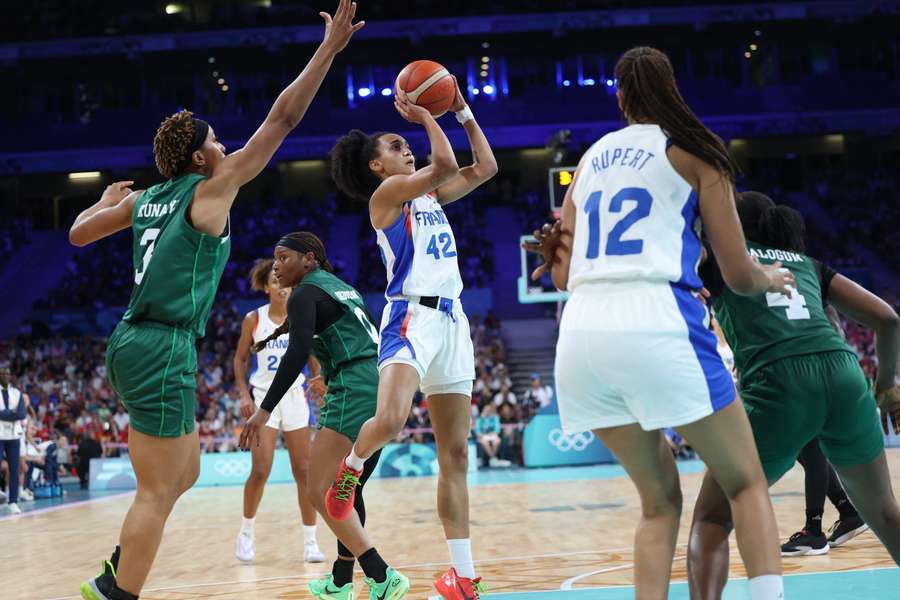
x=747 y=55
x=484 y=73
x=485 y=45
x=84 y=175
x=753 y=47
x=386 y=91
x=485 y=59
x=220 y=81
x=215 y=73
x=589 y=82
x=475 y=91
x=609 y=83
x=211 y=59
x=364 y=92
x=173 y=9
x=566 y=83
x=488 y=89
x=225 y=88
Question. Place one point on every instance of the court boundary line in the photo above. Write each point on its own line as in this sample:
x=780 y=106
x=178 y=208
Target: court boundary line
x=58 y=507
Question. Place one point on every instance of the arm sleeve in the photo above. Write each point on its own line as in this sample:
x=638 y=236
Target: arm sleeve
x=711 y=274
x=301 y=312
x=826 y=274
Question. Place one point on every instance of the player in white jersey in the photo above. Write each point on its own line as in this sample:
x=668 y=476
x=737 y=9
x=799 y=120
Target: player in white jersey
x=635 y=353
x=425 y=340
x=290 y=417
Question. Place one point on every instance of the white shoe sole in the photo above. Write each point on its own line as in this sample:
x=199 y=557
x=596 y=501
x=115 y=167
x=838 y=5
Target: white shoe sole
x=314 y=558
x=849 y=535
x=806 y=551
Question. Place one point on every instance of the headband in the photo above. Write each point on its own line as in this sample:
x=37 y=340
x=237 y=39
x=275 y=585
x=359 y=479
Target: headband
x=201 y=130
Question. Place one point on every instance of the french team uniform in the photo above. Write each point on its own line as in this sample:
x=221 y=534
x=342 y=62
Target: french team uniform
x=635 y=344
x=423 y=324
x=293 y=410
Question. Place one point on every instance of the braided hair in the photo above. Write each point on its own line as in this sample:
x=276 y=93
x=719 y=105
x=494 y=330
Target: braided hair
x=302 y=242
x=649 y=92
x=770 y=224
x=350 y=158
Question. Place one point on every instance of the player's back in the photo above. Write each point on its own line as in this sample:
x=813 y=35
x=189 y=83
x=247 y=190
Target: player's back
x=636 y=217
x=176 y=268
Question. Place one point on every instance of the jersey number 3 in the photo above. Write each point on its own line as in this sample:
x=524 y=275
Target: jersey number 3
x=149 y=240
x=615 y=245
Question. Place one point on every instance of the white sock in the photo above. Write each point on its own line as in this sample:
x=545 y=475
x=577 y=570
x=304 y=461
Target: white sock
x=247 y=525
x=767 y=587
x=354 y=461
x=461 y=557
x=309 y=533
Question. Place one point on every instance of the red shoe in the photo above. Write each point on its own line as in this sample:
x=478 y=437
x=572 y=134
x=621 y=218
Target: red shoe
x=453 y=587
x=339 y=497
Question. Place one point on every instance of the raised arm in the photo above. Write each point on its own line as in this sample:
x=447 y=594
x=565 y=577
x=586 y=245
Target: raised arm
x=484 y=165
x=241 y=166
x=112 y=213
x=397 y=189
x=242 y=361
x=723 y=228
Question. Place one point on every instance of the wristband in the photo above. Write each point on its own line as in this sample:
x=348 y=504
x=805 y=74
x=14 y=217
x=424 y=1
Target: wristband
x=464 y=115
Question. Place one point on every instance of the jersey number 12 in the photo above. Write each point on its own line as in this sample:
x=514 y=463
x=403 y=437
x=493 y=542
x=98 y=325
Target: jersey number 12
x=615 y=245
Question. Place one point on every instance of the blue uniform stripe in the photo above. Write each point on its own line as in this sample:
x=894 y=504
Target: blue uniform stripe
x=718 y=379
x=402 y=247
x=392 y=341
x=690 y=245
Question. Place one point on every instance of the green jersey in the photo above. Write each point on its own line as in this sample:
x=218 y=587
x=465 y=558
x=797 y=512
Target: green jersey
x=176 y=268
x=352 y=337
x=767 y=327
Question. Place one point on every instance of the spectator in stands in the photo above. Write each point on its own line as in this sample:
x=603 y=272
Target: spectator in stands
x=121 y=418
x=536 y=397
x=487 y=432
x=500 y=378
x=12 y=412
x=505 y=396
x=511 y=439
x=88 y=448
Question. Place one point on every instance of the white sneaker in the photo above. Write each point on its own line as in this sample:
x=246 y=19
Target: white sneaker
x=14 y=509
x=311 y=552
x=245 y=548
x=26 y=495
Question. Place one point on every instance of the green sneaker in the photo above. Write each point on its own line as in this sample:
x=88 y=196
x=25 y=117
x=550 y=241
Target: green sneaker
x=326 y=590
x=394 y=587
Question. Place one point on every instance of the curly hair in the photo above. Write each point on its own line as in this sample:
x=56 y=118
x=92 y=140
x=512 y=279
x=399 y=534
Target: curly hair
x=350 y=158
x=172 y=142
x=259 y=274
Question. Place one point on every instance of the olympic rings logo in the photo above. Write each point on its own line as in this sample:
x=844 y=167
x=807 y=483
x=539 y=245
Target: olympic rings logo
x=232 y=468
x=565 y=442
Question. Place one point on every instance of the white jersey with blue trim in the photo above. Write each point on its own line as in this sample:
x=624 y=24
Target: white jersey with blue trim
x=419 y=252
x=268 y=359
x=636 y=218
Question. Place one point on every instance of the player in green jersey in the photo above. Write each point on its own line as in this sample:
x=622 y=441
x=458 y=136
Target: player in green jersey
x=327 y=317
x=799 y=380
x=181 y=244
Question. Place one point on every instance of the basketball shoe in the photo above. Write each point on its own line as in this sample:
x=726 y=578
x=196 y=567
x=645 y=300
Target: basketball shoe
x=394 y=586
x=804 y=543
x=340 y=496
x=326 y=590
x=845 y=530
x=451 y=586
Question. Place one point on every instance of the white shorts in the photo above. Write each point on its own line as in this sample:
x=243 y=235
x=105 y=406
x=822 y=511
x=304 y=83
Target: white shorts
x=290 y=414
x=637 y=352
x=436 y=343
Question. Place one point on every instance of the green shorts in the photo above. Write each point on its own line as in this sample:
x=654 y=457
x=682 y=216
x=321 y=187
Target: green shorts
x=351 y=398
x=793 y=400
x=153 y=367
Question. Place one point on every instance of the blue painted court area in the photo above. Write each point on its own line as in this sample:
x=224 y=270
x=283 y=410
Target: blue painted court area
x=870 y=583
x=593 y=472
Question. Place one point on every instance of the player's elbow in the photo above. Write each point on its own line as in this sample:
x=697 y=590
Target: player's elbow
x=488 y=169
x=888 y=324
x=77 y=237
x=742 y=281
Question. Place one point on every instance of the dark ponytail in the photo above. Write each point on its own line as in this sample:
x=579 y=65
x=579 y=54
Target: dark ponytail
x=649 y=93
x=776 y=226
x=302 y=242
x=350 y=158
x=279 y=331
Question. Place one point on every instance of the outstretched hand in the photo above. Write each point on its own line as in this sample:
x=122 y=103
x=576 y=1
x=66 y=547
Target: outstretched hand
x=340 y=28
x=115 y=192
x=889 y=404
x=547 y=239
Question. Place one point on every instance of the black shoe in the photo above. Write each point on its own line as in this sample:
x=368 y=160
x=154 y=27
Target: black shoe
x=845 y=530
x=804 y=543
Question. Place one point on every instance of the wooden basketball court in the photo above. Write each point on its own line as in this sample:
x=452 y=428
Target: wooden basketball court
x=554 y=531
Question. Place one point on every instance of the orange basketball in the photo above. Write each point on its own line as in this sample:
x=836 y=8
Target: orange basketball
x=429 y=85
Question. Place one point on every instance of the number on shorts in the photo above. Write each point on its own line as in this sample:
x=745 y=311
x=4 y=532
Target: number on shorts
x=366 y=323
x=149 y=240
x=795 y=305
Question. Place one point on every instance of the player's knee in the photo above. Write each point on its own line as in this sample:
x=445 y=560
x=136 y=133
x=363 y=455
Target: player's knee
x=259 y=473
x=454 y=458
x=391 y=420
x=300 y=469
x=191 y=475
x=663 y=502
